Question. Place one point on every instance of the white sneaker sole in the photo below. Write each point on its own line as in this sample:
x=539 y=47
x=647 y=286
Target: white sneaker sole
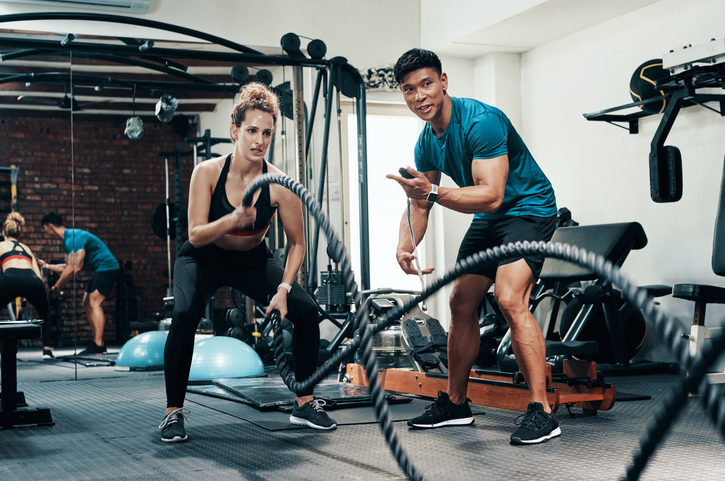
x=450 y=422
x=304 y=422
x=556 y=432
x=176 y=439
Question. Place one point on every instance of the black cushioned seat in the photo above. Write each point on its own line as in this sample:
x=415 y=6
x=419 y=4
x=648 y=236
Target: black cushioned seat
x=571 y=348
x=699 y=293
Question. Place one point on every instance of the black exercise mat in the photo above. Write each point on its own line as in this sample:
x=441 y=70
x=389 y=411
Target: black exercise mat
x=625 y=396
x=214 y=391
x=285 y=403
x=279 y=421
x=271 y=393
x=91 y=360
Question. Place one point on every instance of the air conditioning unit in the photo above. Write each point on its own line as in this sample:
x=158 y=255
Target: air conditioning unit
x=129 y=6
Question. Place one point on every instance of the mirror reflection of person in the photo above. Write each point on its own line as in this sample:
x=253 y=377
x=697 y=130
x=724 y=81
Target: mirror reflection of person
x=512 y=200
x=84 y=250
x=226 y=247
x=21 y=276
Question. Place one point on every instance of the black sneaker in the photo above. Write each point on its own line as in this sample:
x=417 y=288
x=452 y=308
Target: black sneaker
x=93 y=348
x=172 y=427
x=443 y=413
x=536 y=426
x=47 y=354
x=311 y=414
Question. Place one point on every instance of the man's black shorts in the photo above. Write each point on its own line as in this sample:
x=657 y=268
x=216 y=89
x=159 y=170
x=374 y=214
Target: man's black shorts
x=485 y=234
x=102 y=281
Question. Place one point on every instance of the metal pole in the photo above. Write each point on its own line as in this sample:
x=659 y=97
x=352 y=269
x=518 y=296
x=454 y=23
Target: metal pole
x=323 y=171
x=362 y=167
x=169 y=290
x=298 y=101
x=313 y=111
x=178 y=197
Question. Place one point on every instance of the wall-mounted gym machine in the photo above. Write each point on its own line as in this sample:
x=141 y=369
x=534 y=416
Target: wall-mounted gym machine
x=690 y=68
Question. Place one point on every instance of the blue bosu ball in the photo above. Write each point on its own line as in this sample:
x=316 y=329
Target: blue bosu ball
x=144 y=352
x=224 y=357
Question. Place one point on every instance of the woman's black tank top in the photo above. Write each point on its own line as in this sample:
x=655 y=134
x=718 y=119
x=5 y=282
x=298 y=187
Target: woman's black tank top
x=17 y=252
x=220 y=205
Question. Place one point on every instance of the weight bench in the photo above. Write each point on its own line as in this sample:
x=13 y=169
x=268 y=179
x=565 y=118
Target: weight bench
x=614 y=242
x=14 y=411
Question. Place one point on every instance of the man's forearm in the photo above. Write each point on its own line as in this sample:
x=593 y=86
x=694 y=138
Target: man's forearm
x=55 y=267
x=65 y=276
x=419 y=221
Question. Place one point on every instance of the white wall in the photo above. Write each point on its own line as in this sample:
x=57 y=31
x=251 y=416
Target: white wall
x=600 y=172
x=449 y=21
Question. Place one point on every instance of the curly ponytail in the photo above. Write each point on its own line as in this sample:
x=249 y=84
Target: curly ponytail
x=255 y=95
x=13 y=225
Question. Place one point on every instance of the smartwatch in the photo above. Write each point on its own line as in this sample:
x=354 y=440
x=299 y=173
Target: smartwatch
x=433 y=194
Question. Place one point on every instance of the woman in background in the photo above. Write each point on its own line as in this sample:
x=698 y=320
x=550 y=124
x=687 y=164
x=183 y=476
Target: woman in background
x=21 y=276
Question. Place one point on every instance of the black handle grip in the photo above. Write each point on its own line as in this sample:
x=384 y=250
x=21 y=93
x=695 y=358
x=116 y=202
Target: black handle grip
x=404 y=172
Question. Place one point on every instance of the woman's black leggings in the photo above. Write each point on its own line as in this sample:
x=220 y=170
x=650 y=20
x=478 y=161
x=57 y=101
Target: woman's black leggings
x=25 y=283
x=198 y=274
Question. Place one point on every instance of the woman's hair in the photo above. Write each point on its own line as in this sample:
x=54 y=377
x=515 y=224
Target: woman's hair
x=255 y=95
x=13 y=225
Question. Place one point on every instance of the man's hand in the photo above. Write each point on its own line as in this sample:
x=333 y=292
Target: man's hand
x=56 y=290
x=406 y=260
x=41 y=263
x=416 y=188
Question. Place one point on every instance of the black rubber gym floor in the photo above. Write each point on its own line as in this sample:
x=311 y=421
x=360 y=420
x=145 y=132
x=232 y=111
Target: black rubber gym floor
x=106 y=429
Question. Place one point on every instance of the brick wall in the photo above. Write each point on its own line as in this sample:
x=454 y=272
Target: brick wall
x=111 y=184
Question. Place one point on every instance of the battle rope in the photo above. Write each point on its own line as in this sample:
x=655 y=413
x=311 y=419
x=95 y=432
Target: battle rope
x=662 y=323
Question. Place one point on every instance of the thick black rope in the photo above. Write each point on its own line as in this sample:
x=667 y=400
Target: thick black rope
x=662 y=323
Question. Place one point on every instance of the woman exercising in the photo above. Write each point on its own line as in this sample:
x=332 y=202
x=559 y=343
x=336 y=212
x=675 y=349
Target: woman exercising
x=226 y=248
x=21 y=276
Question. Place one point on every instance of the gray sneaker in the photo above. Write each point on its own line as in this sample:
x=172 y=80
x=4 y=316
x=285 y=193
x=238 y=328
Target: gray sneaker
x=312 y=414
x=172 y=427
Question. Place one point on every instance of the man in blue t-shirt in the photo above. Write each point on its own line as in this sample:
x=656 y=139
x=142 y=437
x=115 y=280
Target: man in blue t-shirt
x=84 y=250
x=511 y=199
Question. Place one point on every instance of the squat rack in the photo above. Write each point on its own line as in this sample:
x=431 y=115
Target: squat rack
x=334 y=74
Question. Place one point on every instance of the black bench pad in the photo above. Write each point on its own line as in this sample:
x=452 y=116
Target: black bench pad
x=698 y=292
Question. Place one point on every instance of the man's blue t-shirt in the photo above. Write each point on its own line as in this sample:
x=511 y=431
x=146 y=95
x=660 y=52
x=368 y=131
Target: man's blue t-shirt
x=98 y=257
x=480 y=131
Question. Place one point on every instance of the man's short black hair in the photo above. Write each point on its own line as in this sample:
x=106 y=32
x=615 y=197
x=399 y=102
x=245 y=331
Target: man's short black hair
x=415 y=59
x=53 y=218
